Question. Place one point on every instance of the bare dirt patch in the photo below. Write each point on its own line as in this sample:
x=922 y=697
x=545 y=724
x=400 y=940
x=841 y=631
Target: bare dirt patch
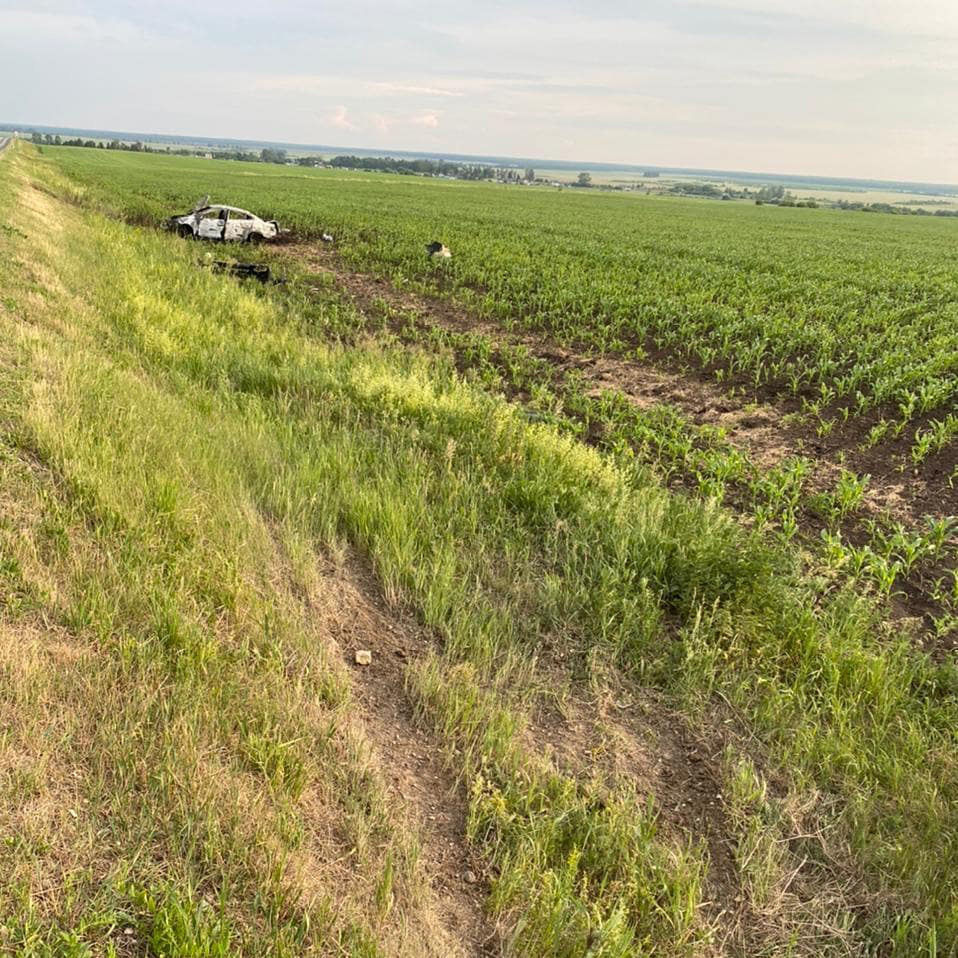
x=407 y=754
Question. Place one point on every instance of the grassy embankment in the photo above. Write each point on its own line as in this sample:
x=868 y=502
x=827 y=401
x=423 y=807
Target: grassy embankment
x=181 y=755
x=858 y=308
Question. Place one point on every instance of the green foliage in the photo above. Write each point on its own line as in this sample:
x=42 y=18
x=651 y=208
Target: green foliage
x=272 y=156
x=422 y=167
x=178 y=923
x=865 y=308
x=507 y=537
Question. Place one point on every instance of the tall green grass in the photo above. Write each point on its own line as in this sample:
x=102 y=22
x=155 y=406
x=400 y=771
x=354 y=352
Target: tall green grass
x=853 y=313
x=184 y=416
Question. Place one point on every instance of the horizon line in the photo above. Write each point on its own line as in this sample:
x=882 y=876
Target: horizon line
x=544 y=163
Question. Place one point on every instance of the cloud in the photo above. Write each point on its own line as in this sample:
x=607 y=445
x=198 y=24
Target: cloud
x=340 y=119
x=857 y=87
x=295 y=82
x=401 y=88
x=919 y=18
x=428 y=119
x=76 y=30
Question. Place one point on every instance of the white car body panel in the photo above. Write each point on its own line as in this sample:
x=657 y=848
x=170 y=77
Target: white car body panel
x=209 y=221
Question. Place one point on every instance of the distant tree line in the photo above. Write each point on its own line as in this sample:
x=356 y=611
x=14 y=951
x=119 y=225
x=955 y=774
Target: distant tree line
x=46 y=139
x=891 y=208
x=697 y=189
x=381 y=164
x=137 y=146
x=772 y=194
x=777 y=195
x=388 y=164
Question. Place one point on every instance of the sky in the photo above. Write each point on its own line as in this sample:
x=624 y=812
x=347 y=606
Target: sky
x=863 y=88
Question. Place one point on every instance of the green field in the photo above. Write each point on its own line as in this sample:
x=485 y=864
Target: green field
x=847 y=323
x=852 y=311
x=635 y=690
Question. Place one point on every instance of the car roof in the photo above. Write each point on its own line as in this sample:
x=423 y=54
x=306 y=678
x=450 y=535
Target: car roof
x=223 y=206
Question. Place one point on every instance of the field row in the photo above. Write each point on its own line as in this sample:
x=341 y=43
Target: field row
x=856 y=317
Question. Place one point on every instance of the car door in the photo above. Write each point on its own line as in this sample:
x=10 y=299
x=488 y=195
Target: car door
x=239 y=225
x=212 y=223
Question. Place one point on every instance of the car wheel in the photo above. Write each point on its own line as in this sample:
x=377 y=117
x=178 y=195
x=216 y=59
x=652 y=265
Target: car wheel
x=254 y=239
x=186 y=232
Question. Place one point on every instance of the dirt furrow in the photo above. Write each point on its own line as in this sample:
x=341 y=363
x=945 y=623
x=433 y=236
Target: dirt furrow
x=758 y=428
x=407 y=755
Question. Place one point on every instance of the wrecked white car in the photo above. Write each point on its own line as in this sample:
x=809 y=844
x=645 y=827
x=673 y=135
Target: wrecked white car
x=226 y=224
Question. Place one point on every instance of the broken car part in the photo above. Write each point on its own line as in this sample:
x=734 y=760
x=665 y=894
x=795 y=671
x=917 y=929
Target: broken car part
x=257 y=271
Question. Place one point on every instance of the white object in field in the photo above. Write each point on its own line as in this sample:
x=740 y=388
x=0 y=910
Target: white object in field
x=327 y=237
x=437 y=250
x=227 y=224
x=364 y=657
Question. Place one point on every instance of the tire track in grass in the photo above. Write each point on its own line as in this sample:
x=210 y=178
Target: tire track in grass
x=406 y=753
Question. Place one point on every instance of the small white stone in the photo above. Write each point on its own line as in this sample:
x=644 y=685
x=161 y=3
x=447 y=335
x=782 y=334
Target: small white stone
x=364 y=657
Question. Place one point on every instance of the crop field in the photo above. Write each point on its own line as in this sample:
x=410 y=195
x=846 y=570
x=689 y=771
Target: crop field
x=852 y=313
x=836 y=333
x=643 y=507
